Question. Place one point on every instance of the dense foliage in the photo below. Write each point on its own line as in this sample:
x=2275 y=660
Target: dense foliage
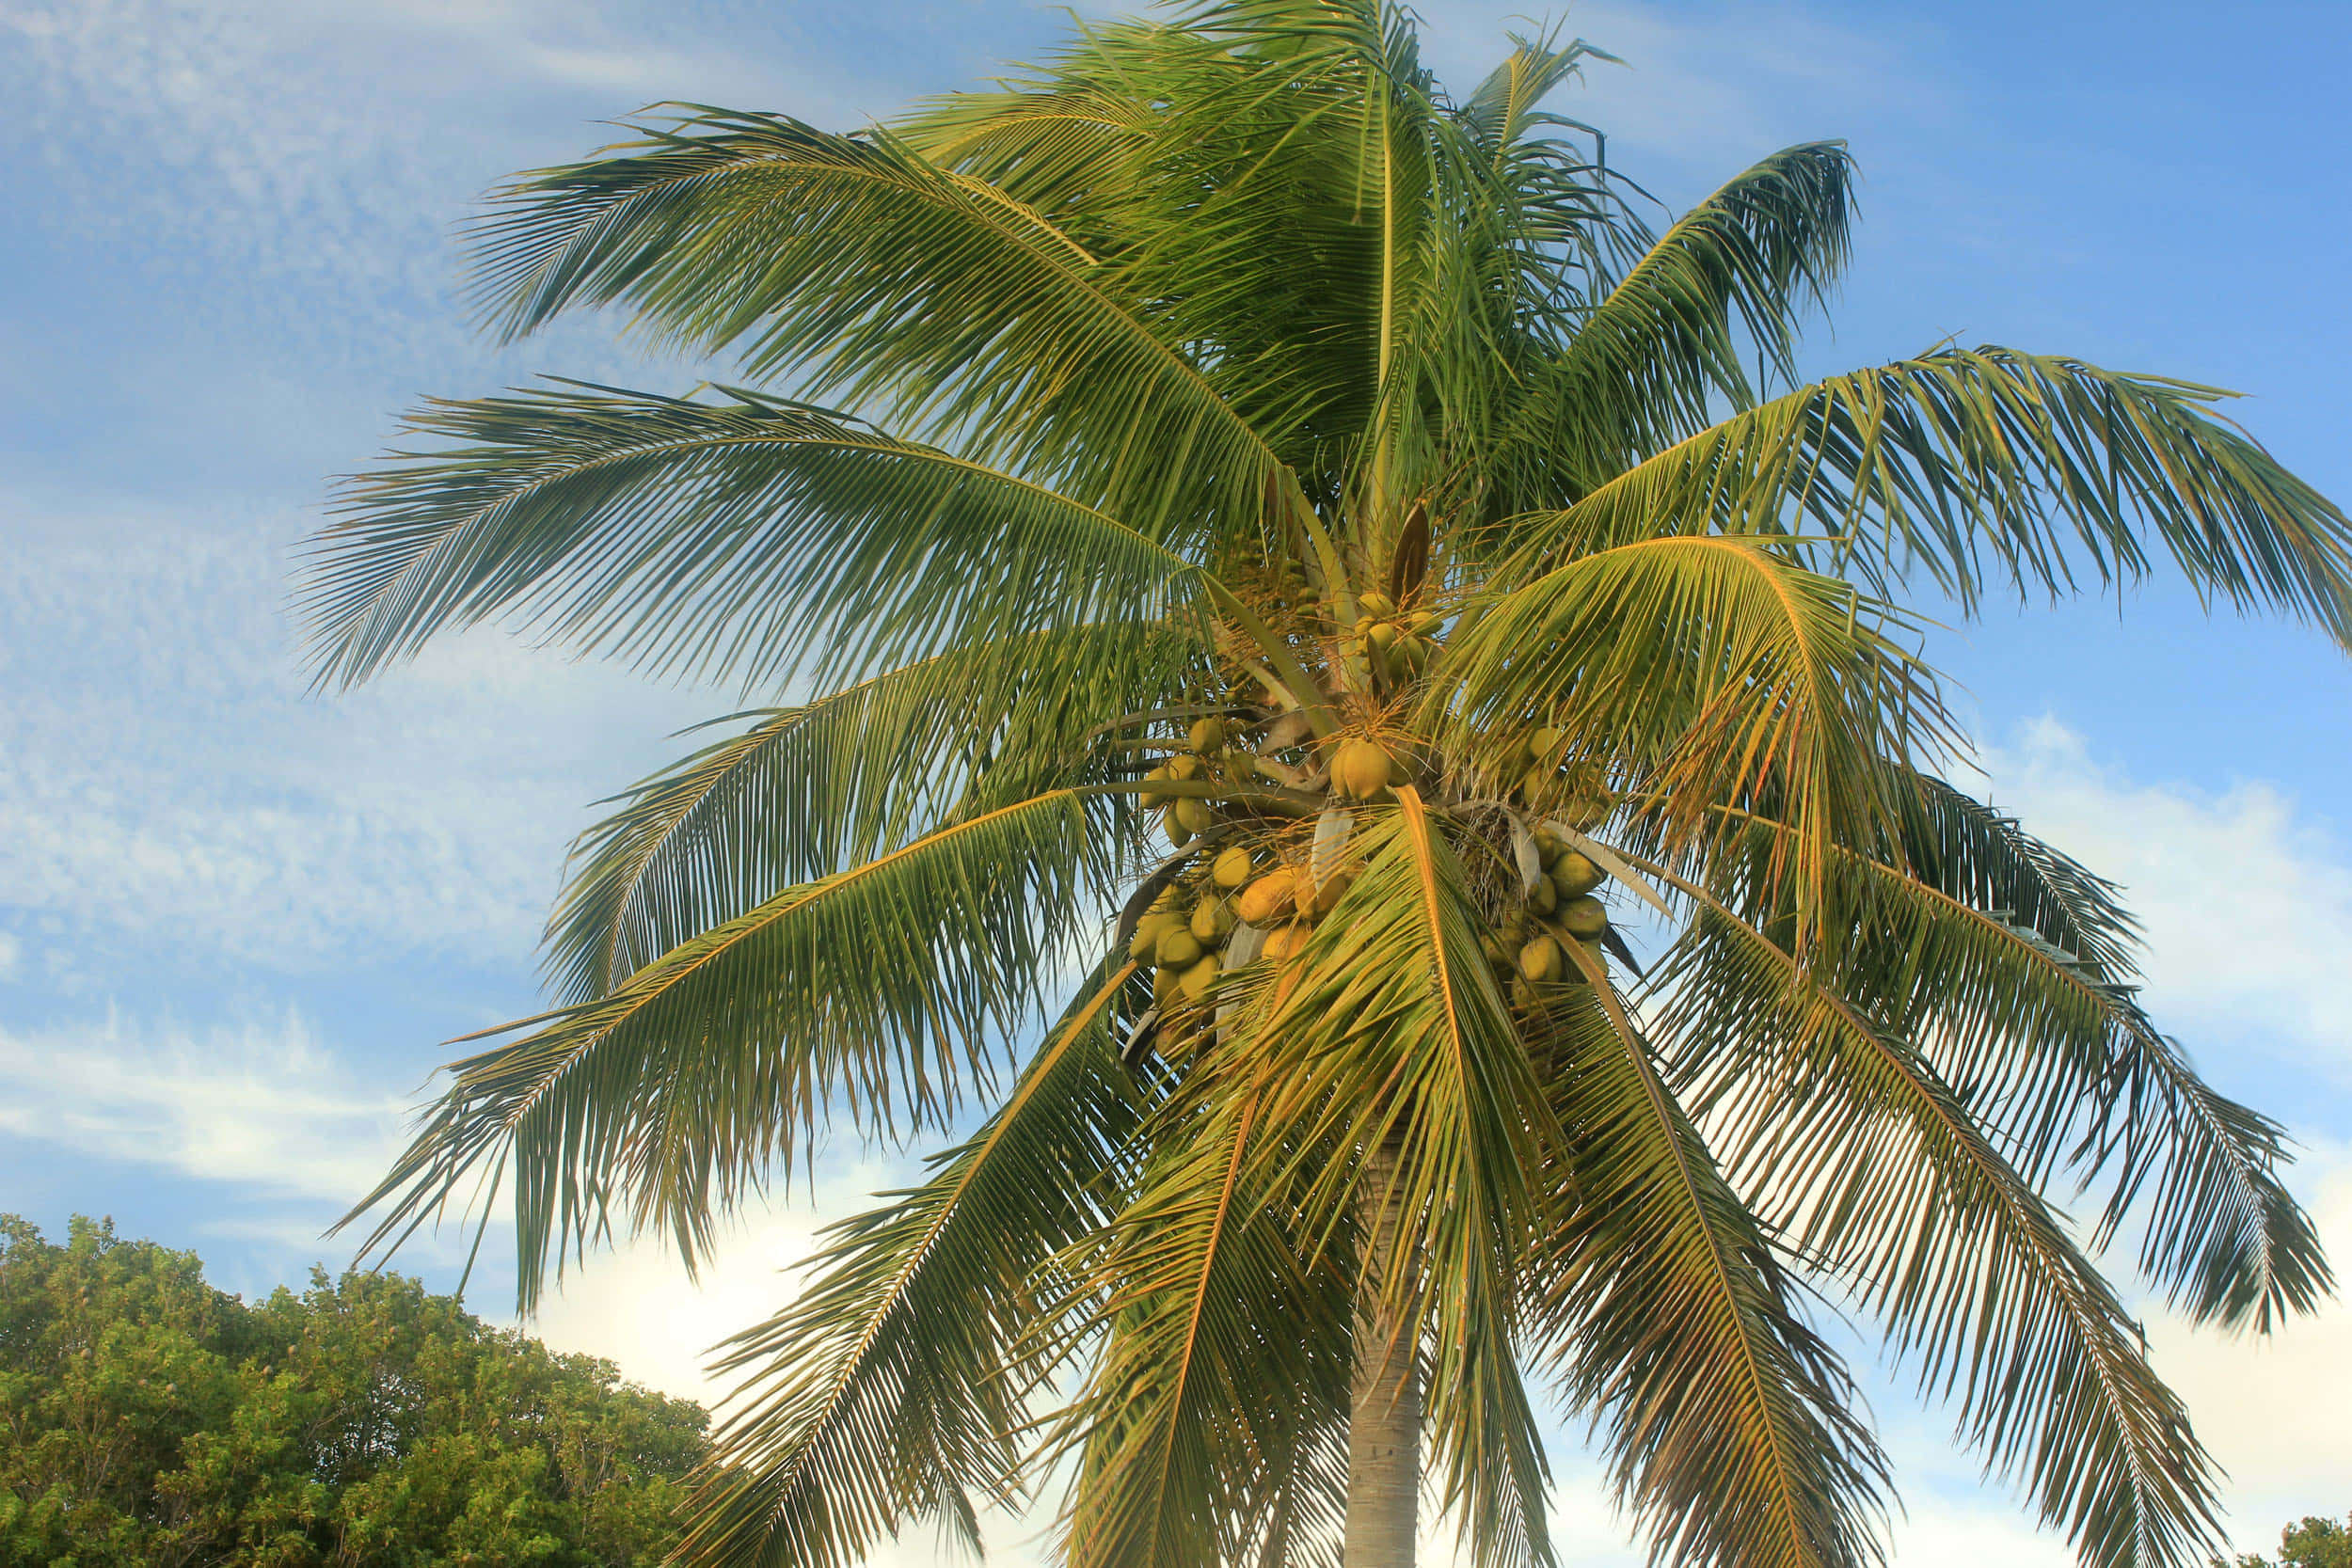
x=149 y=1419
x=1340 y=682
x=2310 y=1542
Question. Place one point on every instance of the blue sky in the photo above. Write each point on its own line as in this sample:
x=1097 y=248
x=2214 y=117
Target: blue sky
x=236 y=918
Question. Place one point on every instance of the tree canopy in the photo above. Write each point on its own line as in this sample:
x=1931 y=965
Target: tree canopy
x=1330 y=684
x=149 y=1419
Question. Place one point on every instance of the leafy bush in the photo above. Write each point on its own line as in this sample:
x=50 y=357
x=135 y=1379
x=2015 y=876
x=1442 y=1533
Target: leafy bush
x=148 y=1418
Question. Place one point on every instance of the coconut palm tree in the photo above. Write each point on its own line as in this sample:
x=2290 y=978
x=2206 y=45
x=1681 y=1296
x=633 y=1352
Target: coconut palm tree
x=1223 y=430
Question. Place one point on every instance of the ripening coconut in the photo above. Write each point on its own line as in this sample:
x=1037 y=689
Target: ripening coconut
x=1541 y=959
x=1265 y=900
x=1360 y=770
x=1177 y=947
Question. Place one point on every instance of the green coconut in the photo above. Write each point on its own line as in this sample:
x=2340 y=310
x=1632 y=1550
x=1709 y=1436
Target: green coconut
x=1544 y=896
x=1575 y=874
x=1377 y=603
x=1584 y=916
x=1150 y=929
x=1523 y=995
x=1207 y=735
x=1197 y=815
x=1541 y=960
x=1381 y=634
x=1199 y=977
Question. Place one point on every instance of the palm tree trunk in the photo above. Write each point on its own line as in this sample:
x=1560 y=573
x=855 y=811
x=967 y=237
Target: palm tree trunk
x=1384 y=1418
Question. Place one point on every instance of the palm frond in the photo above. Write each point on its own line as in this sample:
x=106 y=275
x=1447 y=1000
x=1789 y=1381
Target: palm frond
x=1392 y=1032
x=883 y=993
x=807 y=791
x=1733 y=274
x=1749 y=676
x=1962 y=463
x=1841 y=1134
x=751 y=538
x=1727 y=1421
x=890 y=1388
x=932 y=300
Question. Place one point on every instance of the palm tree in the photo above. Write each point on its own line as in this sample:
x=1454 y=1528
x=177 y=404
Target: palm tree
x=1253 y=441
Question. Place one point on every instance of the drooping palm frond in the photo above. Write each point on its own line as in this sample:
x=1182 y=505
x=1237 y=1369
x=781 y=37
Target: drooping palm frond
x=883 y=992
x=891 y=1388
x=1673 y=1325
x=1843 y=1136
x=1751 y=675
x=808 y=791
x=1394 y=1033
x=749 y=539
x=1937 y=463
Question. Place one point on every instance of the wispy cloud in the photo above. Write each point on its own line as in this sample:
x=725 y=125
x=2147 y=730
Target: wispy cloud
x=261 y=1105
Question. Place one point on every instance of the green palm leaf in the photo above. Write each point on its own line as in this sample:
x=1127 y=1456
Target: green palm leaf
x=808 y=791
x=661 y=1103
x=890 y=1388
x=751 y=538
x=1965 y=454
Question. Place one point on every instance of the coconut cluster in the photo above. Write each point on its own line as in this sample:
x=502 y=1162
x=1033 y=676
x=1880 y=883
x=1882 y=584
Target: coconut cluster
x=1251 y=891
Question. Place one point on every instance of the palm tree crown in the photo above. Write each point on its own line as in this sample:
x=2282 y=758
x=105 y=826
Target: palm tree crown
x=1255 y=443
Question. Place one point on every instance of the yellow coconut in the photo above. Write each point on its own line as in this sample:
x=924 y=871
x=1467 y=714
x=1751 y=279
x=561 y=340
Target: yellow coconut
x=1197 y=815
x=1543 y=897
x=1153 y=798
x=1536 y=781
x=1334 y=888
x=1360 y=770
x=1265 y=900
x=1573 y=873
x=1546 y=740
x=1586 y=916
x=1523 y=994
x=1186 y=767
x=1173 y=821
x=1150 y=929
x=1208 y=735
x=1377 y=603
x=1177 y=947
x=1212 y=920
x=1541 y=959
x=1199 y=977
x=1285 y=942
x=1231 y=869
x=1163 y=987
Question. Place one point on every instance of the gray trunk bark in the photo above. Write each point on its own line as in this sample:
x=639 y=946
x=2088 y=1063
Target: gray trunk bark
x=1384 y=1418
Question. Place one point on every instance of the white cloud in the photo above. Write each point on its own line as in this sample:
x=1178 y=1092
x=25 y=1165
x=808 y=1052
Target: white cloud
x=262 y=1103
x=2274 y=1413
x=167 y=784
x=2246 y=900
